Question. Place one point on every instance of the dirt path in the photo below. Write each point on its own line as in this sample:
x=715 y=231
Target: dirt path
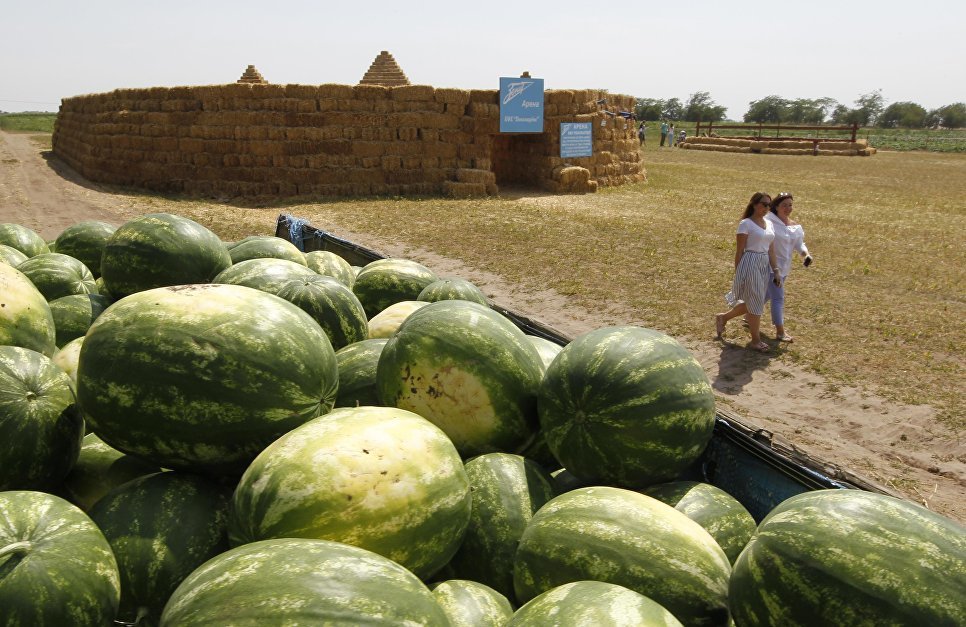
x=900 y=447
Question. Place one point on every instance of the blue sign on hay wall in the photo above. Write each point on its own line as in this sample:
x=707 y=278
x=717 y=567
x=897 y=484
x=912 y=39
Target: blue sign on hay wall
x=576 y=139
x=521 y=105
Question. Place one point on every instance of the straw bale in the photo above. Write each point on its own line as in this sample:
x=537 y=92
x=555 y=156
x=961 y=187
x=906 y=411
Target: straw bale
x=355 y=105
x=368 y=149
x=407 y=134
x=440 y=149
x=371 y=92
x=452 y=96
x=473 y=151
x=840 y=153
x=428 y=134
x=481 y=109
x=306 y=106
x=830 y=145
x=337 y=92
x=487 y=96
x=328 y=104
x=457 y=189
x=413 y=93
x=558 y=96
x=468 y=175
x=867 y=152
x=191 y=145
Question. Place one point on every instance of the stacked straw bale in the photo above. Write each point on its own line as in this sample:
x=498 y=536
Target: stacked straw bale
x=259 y=139
x=784 y=146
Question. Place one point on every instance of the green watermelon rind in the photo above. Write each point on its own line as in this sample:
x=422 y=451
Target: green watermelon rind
x=388 y=281
x=265 y=247
x=583 y=603
x=331 y=304
x=57 y=275
x=357 y=373
x=25 y=318
x=472 y=604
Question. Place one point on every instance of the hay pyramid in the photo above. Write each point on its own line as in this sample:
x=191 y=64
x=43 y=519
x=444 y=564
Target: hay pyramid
x=251 y=75
x=384 y=71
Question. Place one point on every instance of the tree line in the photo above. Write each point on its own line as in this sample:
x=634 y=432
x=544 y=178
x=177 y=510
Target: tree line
x=869 y=110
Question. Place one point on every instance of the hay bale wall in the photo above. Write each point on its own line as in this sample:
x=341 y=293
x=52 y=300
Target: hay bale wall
x=328 y=140
x=781 y=146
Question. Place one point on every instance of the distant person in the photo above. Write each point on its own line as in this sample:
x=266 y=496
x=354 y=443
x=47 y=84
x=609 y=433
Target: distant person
x=642 y=133
x=682 y=136
x=789 y=238
x=670 y=136
x=754 y=256
x=664 y=129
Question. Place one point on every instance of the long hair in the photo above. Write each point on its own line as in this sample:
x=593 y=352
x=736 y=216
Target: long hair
x=755 y=199
x=777 y=200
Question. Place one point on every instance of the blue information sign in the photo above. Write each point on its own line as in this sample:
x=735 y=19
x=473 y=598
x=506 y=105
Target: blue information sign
x=576 y=139
x=521 y=105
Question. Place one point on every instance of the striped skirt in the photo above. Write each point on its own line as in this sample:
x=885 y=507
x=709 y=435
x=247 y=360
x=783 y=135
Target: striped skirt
x=751 y=282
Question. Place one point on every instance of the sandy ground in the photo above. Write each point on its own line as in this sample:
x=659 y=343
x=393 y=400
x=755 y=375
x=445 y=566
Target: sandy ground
x=901 y=448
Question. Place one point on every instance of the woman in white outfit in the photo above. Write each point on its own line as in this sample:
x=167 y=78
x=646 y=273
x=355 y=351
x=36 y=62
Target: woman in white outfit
x=755 y=262
x=789 y=239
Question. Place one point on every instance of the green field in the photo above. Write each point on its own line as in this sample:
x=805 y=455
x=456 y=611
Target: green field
x=28 y=122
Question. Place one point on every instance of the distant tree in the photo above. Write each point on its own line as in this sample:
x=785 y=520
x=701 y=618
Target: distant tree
x=949 y=116
x=673 y=109
x=700 y=106
x=840 y=114
x=808 y=111
x=868 y=107
x=649 y=109
x=768 y=109
x=902 y=114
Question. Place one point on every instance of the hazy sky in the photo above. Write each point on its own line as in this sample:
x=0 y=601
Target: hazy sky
x=738 y=51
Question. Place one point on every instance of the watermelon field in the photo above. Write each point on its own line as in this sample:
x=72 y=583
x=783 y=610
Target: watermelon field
x=201 y=430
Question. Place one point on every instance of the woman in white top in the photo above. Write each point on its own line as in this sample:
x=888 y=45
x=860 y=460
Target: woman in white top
x=754 y=257
x=789 y=238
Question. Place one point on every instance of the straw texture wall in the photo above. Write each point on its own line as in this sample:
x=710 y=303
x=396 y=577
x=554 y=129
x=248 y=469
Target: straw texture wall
x=250 y=139
x=787 y=146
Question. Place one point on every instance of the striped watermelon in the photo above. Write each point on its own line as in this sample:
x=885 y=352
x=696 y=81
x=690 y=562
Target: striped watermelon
x=85 y=241
x=57 y=275
x=385 y=323
x=100 y=469
x=25 y=318
x=11 y=256
x=161 y=527
x=596 y=603
x=387 y=281
x=626 y=406
x=625 y=538
x=66 y=359
x=158 y=250
x=357 y=373
x=74 y=314
x=266 y=247
x=23 y=239
x=331 y=304
x=267 y=275
x=467 y=369
x=40 y=429
x=297 y=581
x=56 y=568
x=507 y=490
x=452 y=289
x=847 y=557
x=546 y=349
x=330 y=264
x=203 y=377
x=379 y=478
x=721 y=515
x=471 y=604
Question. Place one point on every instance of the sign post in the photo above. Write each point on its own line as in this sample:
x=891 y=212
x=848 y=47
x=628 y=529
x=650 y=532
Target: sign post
x=576 y=139
x=521 y=105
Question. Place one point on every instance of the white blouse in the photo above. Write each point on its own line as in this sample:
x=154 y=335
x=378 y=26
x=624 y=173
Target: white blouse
x=759 y=239
x=788 y=239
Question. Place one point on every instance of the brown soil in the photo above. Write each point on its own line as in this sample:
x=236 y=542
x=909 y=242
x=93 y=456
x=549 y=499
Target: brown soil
x=898 y=447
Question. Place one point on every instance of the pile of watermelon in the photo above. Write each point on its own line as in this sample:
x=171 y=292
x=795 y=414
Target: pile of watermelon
x=199 y=432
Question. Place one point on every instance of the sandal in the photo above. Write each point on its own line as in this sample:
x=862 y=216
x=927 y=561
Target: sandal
x=719 y=325
x=785 y=338
x=761 y=347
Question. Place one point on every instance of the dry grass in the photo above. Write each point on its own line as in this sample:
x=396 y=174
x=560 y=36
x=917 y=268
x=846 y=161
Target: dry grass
x=883 y=306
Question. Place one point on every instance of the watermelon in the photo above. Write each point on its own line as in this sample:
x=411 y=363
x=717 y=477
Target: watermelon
x=546 y=349
x=467 y=369
x=357 y=373
x=266 y=247
x=507 y=490
x=471 y=604
x=203 y=377
x=101 y=289
x=625 y=538
x=626 y=406
x=161 y=527
x=56 y=568
x=158 y=250
x=330 y=264
x=98 y=470
x=66 y=359
x=267 y=275
x=597 y=603
x=452 y=289
x=11 y=256
x=298 y=581
x=721 y=515
x=848 y=557
x=332 y=305
x=387 y=281
x=23 y=239
x=385 y=323
x=40 y=428
x=380 y=478
x=74 y=314
x=85 y=241
x=25 y=318
x=57 y=275
x=565 y=481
